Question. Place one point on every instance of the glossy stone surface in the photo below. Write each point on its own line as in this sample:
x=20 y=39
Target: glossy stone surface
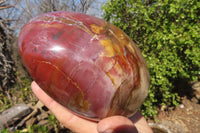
x=84 y=63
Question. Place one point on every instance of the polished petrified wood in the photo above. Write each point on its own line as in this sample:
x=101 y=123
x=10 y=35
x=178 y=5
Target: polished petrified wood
x=86 y=64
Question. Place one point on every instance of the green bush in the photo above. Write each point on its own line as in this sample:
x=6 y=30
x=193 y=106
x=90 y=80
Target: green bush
x=168 y=34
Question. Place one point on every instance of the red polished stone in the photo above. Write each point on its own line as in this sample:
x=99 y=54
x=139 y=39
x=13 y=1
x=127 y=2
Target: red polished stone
x=84 y=63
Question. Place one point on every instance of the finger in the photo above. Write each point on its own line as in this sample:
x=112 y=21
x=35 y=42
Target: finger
x=116 y=124
x=66 y=117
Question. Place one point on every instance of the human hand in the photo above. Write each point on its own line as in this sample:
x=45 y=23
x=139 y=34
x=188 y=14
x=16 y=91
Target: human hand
x=114 y=124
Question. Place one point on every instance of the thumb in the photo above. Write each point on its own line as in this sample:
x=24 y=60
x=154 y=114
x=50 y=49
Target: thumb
x=116 y=124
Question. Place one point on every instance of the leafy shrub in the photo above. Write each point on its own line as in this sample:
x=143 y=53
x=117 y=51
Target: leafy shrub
x=30 y=129
x=168 y=34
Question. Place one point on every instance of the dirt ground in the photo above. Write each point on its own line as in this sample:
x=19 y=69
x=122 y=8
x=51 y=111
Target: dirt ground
x=184 y=119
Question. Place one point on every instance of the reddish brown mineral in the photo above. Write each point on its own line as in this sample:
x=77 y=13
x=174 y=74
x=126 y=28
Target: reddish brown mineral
x=86 y=64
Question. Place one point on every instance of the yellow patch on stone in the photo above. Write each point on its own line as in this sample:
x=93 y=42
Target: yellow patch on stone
x=122 y=38
x=108 y=46
x=96 y=29
x=111 y=49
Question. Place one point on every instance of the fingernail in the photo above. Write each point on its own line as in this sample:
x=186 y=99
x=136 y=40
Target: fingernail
x=34 y=86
